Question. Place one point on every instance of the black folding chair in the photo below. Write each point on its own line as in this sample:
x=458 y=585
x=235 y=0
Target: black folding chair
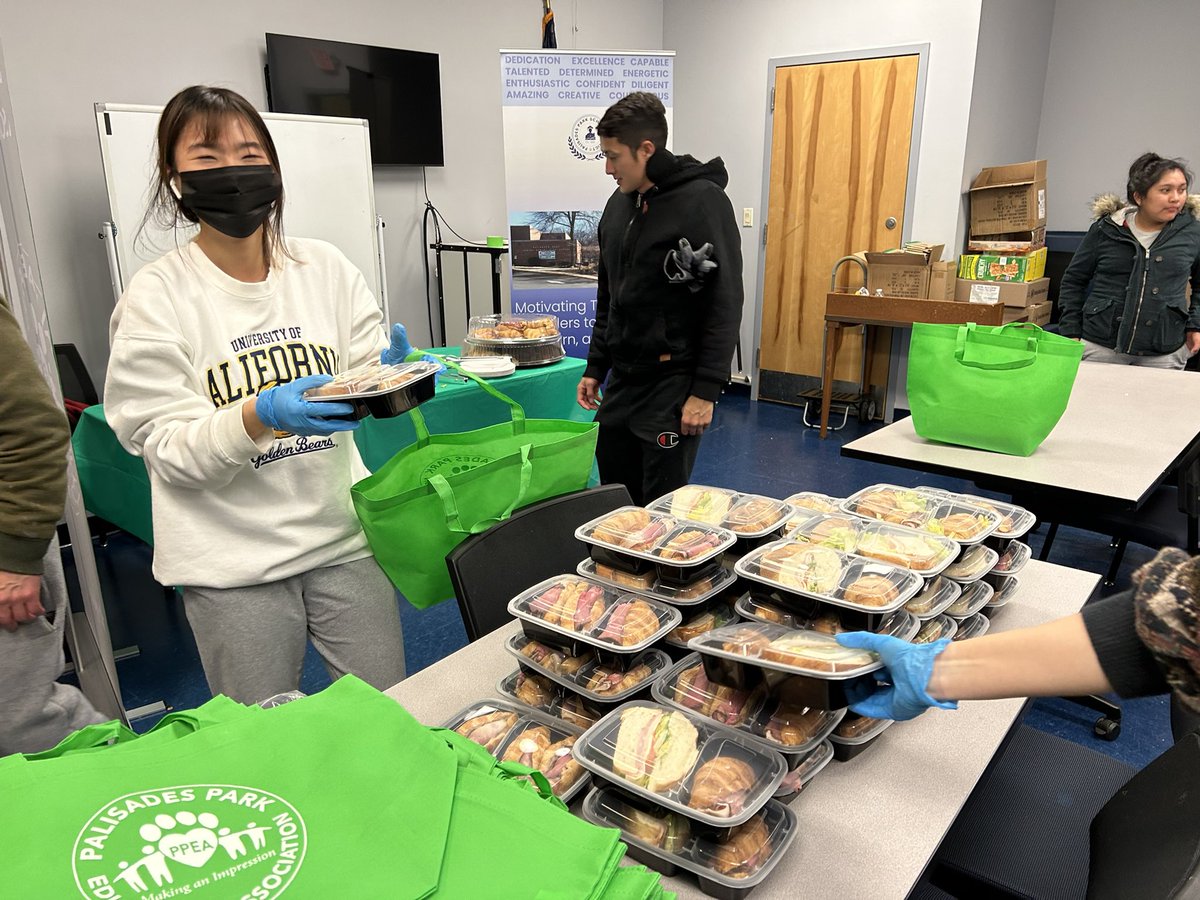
x=534 y=543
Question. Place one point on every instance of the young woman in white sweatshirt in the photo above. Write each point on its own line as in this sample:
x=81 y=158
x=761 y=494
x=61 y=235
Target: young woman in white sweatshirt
x=213 y=346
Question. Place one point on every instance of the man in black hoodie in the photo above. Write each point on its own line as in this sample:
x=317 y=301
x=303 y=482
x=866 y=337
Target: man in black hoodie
x=668 y=303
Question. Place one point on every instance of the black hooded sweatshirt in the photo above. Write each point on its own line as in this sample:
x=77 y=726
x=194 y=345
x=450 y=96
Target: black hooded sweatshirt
x=646 y=325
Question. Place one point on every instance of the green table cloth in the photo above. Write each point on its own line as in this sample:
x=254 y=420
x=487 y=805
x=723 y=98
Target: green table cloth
x=116 y=487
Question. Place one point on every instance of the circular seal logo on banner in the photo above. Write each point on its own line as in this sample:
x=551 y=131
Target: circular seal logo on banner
x=583 y=141
x=668 y=439
x=181 y=840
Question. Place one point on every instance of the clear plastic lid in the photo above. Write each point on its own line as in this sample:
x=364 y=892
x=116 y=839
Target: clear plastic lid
x=682 y=761
x=589 y=675
x=935 y=629
x=807 y=769
x=1008 y=587
x=808 y=653
x=586 y=611
x=372 y=380
x=975 y=596
x=748 y=515
x=821 y=503
x=1013 y=559
x=938 y=593
x=797 y=729
x=898 y=624
x=656 y=536
x=856 y=729
x=530 y=690
x=831 y=576
x=1015 y=520
x=514 y=329
x=546 y=746
x=925 y=554
x=649 y=585
x=976 y=626
x=924 y=510
x=716 y=616
x=975 y=562
x=740 y=860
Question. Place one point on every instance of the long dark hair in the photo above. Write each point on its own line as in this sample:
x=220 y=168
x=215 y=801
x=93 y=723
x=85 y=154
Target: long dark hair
x=211 y=109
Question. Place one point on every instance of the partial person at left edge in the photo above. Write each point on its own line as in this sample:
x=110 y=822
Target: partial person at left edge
x=36 y=712
x=214 y=346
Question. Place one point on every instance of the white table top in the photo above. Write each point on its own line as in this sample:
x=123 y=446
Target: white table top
x=868 y=826
x=1124 y=427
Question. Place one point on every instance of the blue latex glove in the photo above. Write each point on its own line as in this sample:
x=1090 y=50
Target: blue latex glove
x=901 y=693
x=399 y=349
x=284 y=408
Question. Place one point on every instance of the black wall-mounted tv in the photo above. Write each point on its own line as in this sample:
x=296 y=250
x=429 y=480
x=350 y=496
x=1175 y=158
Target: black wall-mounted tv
x=398 y=91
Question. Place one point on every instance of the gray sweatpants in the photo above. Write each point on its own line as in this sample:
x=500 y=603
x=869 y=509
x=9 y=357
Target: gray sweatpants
x=252 y=639
x=1093 y=352
x=36 y=712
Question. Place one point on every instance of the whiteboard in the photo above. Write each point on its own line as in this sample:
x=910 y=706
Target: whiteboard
x=328 y=189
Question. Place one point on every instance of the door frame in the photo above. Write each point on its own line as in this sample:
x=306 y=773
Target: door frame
x=921 y=51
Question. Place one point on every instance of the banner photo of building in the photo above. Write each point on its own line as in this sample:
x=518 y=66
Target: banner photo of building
x=556 y=186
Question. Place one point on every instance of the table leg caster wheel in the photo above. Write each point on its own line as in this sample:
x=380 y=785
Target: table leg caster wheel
x=1107 y=729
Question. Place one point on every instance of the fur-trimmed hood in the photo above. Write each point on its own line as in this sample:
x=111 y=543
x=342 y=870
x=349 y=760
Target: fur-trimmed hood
x=1116 y=208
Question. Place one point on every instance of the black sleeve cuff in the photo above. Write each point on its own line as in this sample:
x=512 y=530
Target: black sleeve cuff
x=1131 y=668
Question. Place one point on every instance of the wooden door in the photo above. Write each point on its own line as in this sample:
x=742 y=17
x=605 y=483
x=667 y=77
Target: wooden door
x=841 y=135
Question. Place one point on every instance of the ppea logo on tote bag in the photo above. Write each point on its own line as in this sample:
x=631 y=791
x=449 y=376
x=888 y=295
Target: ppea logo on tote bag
x=181 y=841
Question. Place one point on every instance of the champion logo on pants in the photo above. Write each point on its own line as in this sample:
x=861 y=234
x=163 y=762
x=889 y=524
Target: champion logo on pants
x=668 y=439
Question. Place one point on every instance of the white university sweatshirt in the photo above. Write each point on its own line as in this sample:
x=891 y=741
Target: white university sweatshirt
x=189 y=345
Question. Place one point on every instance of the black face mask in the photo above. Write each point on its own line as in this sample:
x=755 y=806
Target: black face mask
x=235 y=200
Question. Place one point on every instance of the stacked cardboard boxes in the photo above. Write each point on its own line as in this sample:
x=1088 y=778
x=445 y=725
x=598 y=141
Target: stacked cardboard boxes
x=1006 y=249
x=914 y=271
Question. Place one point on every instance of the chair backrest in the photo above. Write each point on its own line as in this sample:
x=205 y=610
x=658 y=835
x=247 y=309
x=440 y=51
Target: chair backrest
x=73 y=375
x=1145 y=841
x=534 y=543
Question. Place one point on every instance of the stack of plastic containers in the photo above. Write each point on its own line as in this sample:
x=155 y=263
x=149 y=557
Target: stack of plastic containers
x=379 y=390
x=688 y=794
x=528 y=340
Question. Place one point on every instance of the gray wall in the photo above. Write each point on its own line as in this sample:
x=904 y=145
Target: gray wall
x=1122 y=80
x=1006 y=99
x=721 y=94
x=64 y=57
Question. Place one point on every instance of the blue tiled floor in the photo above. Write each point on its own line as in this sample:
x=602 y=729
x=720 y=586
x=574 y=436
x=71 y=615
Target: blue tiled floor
x=759 y=447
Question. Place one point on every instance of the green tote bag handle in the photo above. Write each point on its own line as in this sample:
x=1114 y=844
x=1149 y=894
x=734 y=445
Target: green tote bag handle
x=1027 y=357
x=90 y=737
x=450 y=503
x=516 y=410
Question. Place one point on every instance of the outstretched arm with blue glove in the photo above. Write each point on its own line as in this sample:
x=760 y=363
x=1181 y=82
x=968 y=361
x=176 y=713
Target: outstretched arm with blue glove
x=284 y=408
x=1055 y=659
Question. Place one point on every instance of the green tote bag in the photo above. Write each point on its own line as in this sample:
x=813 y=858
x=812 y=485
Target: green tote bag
x=443 y=488
x=1000 y=388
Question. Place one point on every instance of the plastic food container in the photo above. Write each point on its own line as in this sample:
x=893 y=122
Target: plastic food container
x=1015 y=520
x=976 y=626
x=599 y=680
x=790 y=730
x=814 y=501
x=746 y=515
x=580 y=610
x=805 y=668
x=975 y=562
x=804 y=771
x=728 y=869
x=939 y=593
x=716 y=614
x=529 y=340
x=828 y=621
x=530 y=690
x=830 y=576
x=637 y=539
x=1012 y=561
x=1008 y=587
x=513 y=734
x=935 y=629
x=925 y=554
x=855 y=734
x=649 y=585
x=378 y=390
x=974 y=597
x=924 y=510
x=705 y=772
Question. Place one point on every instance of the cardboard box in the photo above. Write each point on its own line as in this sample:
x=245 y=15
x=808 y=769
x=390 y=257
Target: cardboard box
x=901 y=274
x=1015 y=243
x=1009 y=198
x=943 y=281
x=1039 y=313
x=1010 y=293
x=979 y=267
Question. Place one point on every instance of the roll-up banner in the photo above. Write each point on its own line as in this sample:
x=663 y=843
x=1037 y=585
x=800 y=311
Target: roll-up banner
x=556 y=186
